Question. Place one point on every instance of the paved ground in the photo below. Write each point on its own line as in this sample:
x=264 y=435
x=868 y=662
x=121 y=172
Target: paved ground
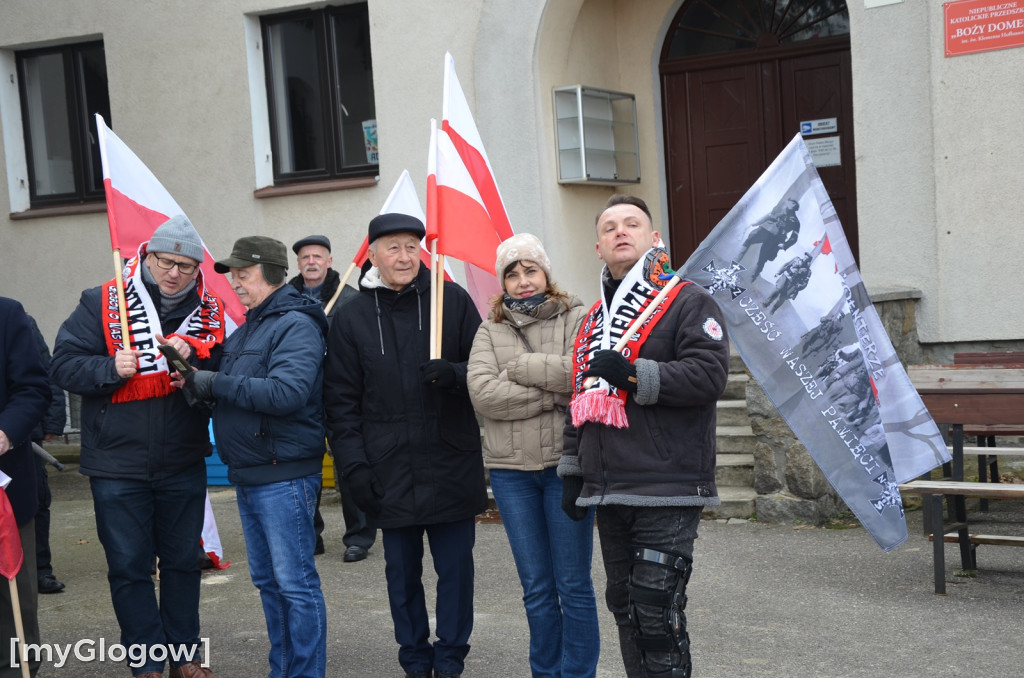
x=764 y=601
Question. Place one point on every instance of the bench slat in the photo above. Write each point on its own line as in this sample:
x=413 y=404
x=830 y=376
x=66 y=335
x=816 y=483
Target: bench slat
x=989 y=539
x=992 y=451
x=964 y=488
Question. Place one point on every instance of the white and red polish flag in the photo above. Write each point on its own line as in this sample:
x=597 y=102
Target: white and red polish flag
x=402 y=200
x=137 y=203
x=465 y=210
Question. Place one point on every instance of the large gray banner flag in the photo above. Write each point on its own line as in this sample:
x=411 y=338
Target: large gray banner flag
x=781 y=269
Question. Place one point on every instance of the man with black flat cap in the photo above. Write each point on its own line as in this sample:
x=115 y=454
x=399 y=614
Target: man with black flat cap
x=318 y=280
x=403 y=430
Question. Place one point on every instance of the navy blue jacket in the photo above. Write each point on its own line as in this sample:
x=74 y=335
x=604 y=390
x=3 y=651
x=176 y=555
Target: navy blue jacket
x=147 y=439
x=422 y=444
x=268 y=421
x=24 y=397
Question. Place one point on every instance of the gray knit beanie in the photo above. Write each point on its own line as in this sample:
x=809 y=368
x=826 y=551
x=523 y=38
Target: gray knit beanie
x=177 y=235
x=520 y=247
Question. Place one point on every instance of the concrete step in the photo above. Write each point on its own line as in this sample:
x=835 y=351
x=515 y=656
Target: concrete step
x=734 y=470
x=737 y=502
x=732 y=413
x=736 y=386
x=736 y=363
x=735 y=439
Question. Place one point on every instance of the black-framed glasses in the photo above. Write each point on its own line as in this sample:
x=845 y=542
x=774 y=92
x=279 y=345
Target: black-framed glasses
x=168 y=264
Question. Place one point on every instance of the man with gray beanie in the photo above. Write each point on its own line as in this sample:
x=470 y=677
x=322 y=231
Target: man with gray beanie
x=143 y=446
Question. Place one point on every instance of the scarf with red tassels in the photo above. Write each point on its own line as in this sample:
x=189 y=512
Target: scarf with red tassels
x=604 y=326
x=202 y=329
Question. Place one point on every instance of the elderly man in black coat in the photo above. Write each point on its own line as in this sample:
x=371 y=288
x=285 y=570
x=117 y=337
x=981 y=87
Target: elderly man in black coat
x=408 y=440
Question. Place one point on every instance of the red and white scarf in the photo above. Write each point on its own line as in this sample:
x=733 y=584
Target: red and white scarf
x=603 y=403
x=202 y=329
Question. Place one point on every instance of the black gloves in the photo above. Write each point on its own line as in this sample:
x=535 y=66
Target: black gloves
x=438 y=373
x=366 y=490
x=198 y=388
x=613 y=368
x=571 y=488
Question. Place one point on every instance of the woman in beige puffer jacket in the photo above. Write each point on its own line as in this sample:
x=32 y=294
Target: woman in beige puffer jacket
x=520 y=380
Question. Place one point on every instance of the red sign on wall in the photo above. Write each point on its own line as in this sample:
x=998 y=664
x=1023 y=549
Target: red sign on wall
x=983 y=25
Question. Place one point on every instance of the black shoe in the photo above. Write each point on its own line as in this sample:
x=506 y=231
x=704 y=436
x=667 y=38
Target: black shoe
x=318 y=550
x=446 y=674
x=49 y=584
x=410 y=674
x=356 y=553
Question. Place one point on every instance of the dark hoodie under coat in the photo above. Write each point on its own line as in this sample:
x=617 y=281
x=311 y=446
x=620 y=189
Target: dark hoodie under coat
x=268 y=422
x=422 y=443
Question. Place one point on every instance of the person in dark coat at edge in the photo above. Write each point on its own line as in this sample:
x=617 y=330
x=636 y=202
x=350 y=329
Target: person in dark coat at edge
x=143 y=446
x=651 y=474
x=408 y=439
x=319 y=280
x=51 y=426
x=24 y=397
x=267 y=401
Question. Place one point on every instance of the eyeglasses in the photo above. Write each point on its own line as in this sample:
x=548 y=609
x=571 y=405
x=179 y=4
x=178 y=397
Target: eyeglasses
x=168 y=264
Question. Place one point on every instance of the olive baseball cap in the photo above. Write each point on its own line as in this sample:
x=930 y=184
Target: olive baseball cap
x=252 y=250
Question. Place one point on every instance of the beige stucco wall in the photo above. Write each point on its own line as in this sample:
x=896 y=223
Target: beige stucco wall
x=940 y=163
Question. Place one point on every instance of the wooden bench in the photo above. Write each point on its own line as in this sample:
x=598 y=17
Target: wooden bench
x=932 y=492
x=988 y=462
x=962 y=396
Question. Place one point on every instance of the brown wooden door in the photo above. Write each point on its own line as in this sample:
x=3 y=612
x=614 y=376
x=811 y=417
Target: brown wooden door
x=727 y=117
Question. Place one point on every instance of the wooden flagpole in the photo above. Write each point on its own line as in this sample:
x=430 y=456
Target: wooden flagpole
x=638 y=323
x=19 y=627
x=439 y=294
x=337 y=292
x=434 y=353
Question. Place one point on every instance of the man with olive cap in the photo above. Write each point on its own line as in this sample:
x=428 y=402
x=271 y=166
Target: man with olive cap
x=268 y=423
x=318 y=280
x=403 y=427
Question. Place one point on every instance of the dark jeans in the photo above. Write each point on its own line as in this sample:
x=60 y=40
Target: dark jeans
x=451 y=547
x=136 y=519
x=43 y=565
x=671 y=529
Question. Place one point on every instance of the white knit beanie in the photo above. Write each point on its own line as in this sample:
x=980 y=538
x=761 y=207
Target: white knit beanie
x=521 y=247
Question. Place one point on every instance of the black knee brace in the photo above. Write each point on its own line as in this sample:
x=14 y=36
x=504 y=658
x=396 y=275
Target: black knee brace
x=672 y=646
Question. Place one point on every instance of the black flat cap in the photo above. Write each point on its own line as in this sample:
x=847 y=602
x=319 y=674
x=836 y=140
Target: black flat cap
x=387 y=224
x=321 y=240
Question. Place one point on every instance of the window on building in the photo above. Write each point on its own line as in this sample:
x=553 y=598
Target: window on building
x=320 y=94
x=61 y=89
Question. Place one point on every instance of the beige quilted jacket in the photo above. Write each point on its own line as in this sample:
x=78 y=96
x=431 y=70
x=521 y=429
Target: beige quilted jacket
x=522 y=395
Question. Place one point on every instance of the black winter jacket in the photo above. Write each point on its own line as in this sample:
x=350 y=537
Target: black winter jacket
x=327 y=291
x=146 y=439
x=422 y=444
x=268 y=422
x=667 y=455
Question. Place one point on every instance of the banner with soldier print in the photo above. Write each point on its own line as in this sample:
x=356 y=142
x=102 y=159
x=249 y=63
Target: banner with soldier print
x=780 y=267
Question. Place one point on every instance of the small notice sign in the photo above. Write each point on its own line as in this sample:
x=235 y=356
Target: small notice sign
x=822 y=126
x=982 y=26
x=824 y=151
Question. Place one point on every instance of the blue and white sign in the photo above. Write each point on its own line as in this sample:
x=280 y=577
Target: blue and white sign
x=823 y=126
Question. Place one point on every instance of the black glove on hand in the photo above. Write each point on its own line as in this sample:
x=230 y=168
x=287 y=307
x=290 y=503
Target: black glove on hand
x=366 y=490
x=438 y=373
x=613 y=368
x=199 y=385
x=571 y=488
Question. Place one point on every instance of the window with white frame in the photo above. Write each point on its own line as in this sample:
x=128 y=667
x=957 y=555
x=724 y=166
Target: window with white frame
x=319 y=80
x=61 y=88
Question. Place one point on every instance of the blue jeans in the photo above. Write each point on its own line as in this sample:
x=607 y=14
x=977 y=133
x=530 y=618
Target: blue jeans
x=135 y=520
x=665 y=528
x=451 y=547
x=277 y=520
x=553 y=557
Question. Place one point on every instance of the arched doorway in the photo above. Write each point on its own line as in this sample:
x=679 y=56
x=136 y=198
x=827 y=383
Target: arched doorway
x=738 y=78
